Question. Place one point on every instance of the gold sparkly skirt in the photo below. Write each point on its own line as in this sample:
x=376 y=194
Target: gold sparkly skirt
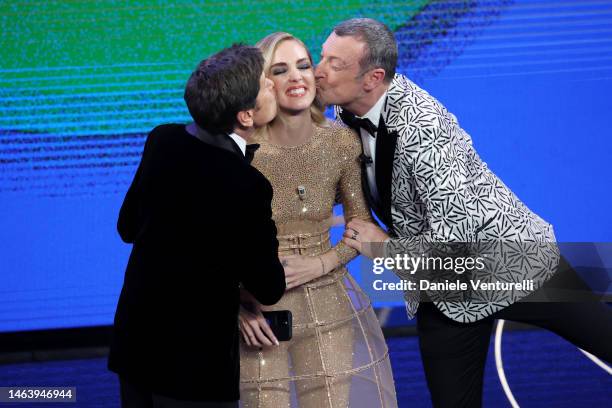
x=337 y=357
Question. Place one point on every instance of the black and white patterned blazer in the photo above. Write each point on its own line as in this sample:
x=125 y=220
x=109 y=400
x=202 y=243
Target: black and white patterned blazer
x=438 y=190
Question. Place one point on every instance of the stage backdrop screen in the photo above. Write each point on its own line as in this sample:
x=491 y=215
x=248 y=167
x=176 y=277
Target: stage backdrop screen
x=81 y=84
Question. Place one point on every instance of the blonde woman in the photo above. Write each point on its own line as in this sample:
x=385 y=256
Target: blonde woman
x=337 y=356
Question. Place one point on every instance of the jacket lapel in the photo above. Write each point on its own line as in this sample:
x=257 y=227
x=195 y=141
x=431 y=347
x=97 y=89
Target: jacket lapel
x=220 y=140
x=385 y=148
x=364 y=180
x=385 y=152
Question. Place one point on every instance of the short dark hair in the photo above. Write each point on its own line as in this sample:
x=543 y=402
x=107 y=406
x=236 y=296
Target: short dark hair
x=223 y=85
x=381 y=47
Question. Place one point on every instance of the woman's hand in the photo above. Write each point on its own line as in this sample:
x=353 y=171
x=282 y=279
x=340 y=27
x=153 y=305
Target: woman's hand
x=253 y=326
x=302 y=269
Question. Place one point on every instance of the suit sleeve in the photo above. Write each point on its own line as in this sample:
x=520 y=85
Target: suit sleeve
x=263 y=275
x=459 y=200
x=441 y=177
x=131 y=214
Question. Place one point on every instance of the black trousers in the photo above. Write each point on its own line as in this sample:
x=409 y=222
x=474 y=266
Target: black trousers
x=454 y=354
x=137 y=397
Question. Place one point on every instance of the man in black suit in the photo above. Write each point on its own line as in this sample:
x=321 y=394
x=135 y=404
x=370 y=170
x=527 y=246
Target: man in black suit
x=200 y=219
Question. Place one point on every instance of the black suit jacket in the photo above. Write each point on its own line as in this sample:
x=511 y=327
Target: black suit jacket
x=200 y=219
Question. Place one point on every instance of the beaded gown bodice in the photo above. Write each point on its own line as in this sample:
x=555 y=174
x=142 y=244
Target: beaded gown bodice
x=307 y=180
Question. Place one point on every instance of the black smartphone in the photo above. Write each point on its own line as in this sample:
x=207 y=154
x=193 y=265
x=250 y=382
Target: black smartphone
x=281 y=323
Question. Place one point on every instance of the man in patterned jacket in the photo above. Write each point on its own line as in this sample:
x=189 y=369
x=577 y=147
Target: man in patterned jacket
x=426 y=182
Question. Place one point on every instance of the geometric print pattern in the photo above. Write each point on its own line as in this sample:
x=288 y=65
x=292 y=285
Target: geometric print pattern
x=443 y=196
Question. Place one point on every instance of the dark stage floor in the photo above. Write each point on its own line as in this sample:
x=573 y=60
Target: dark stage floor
x=542 y=371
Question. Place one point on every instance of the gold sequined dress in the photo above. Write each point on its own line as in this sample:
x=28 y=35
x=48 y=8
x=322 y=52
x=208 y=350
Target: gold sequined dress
x=337 y=356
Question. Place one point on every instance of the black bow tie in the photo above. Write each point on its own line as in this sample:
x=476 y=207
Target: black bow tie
x=352 y=121
x=250 y=152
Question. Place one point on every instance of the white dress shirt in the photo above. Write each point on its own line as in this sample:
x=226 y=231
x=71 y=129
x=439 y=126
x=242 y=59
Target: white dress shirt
x=240 y=142
x=369 y=145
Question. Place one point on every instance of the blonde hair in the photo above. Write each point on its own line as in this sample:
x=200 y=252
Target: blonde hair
x=268 y=46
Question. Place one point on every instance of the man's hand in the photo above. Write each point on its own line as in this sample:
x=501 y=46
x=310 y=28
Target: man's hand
x=254 y=327
x=365 y=237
